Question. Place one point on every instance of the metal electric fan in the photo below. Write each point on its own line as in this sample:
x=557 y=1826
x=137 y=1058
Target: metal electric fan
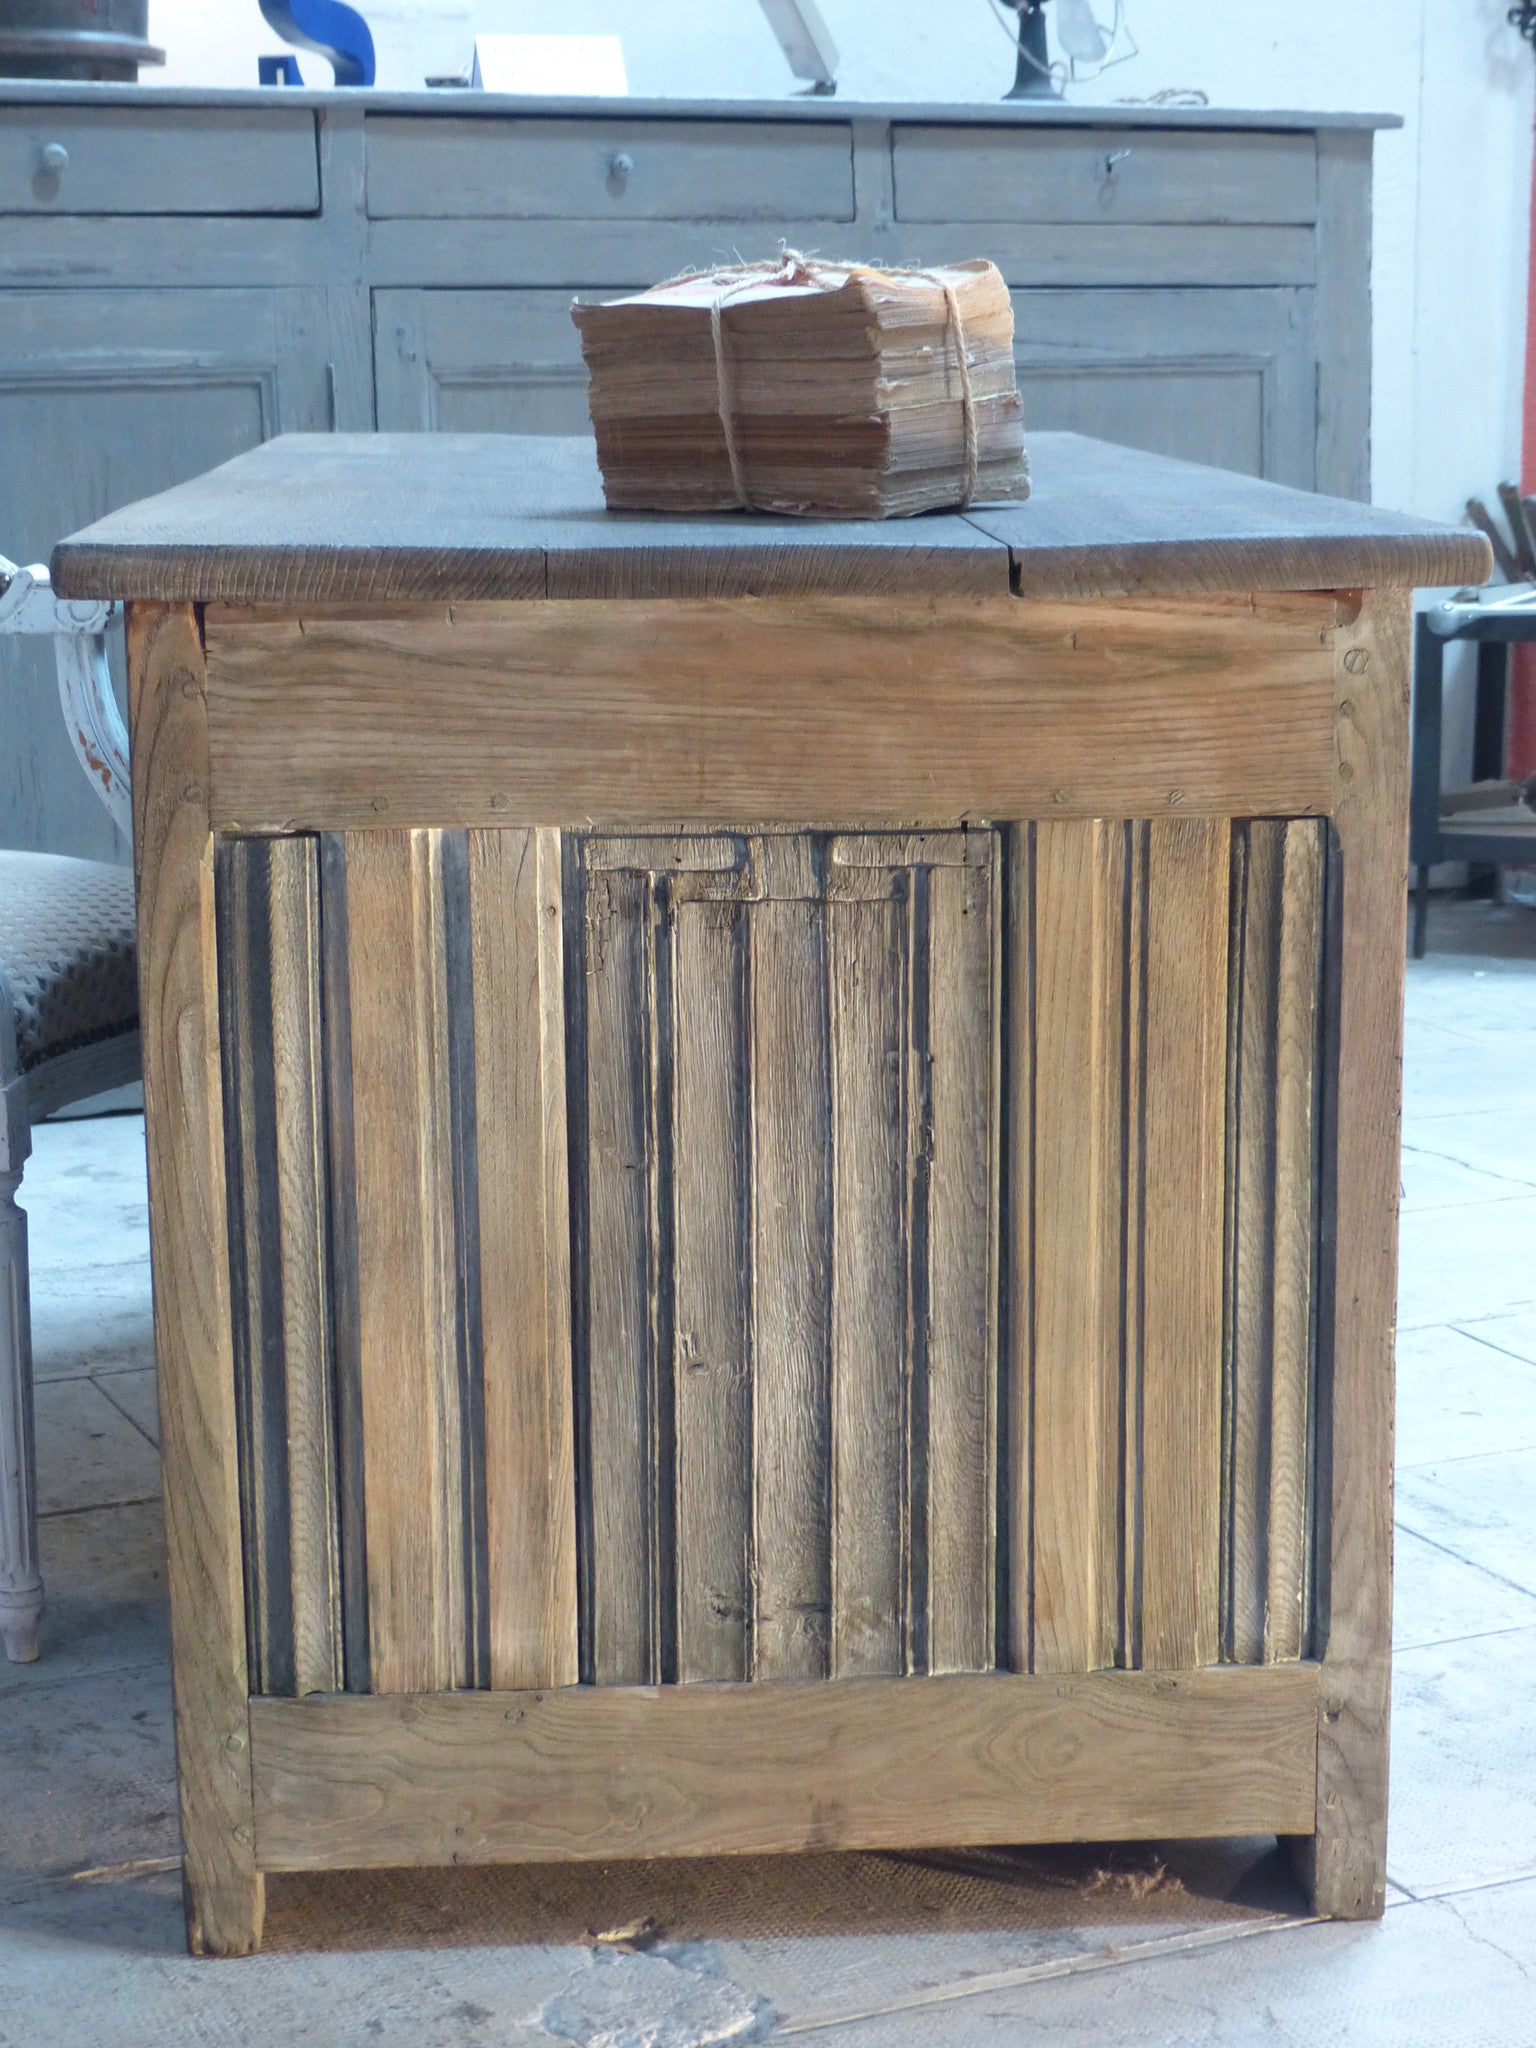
x=1082 y=39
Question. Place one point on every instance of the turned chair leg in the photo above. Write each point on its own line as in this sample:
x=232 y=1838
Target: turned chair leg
x=21 y=1584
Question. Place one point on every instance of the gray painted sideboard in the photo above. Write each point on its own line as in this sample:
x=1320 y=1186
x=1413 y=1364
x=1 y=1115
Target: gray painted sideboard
x=199 y=271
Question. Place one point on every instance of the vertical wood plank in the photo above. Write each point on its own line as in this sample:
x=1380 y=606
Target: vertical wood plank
x=1077 y=1026
x=1017 y=1065
x=1258 y=853
x=459 y=1253
x=791 y=1237
x=302 y=1222
x=962 y=1275
x=242 y=896
x=712 y=1397
x=346 y=1335
x=519 y=1062
x=791 y=1233
x=1133 y=1127
x=406 y=1305
x=1297 y=1015
x=1188 y=890
x=443 y=1074
x=871 y=1364
x=1274 y=984
x=1346 y=1860
x=268 y=918
x=625 y=1507
x=178 y=984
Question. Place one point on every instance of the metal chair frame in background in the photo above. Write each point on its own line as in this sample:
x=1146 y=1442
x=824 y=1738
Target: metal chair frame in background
x=1494 y=619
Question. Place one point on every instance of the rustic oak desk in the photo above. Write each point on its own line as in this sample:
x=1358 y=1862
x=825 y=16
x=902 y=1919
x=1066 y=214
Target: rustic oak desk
x=773 y=1159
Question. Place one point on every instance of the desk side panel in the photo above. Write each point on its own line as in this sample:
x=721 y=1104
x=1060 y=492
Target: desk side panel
x=842 y=1254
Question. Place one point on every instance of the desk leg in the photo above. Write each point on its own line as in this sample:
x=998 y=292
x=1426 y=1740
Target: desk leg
x=184 y=1120
x=1345 y=1861
x=1424 y=802
x=1420 y=908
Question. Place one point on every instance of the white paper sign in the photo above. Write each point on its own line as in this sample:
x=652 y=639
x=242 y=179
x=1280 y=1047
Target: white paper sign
x=580 y=65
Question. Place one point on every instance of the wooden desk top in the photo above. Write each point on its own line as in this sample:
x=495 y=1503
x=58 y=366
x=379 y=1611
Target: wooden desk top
x=367 y=518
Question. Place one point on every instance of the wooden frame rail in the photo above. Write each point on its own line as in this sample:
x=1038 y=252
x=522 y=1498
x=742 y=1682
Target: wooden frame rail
x=699 y=1770
x=572 y=711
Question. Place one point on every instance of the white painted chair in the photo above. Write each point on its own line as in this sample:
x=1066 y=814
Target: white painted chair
x=69 y=1028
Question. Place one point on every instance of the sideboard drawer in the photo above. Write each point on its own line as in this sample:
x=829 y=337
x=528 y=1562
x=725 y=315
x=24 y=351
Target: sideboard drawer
x=540 y=169
x=127 y=160
x=1093 y=175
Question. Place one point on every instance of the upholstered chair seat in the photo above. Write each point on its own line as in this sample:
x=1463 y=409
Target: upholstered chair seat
x=69 y=1027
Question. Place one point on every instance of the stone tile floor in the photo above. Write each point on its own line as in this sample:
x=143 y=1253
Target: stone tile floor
x=1138 y=1945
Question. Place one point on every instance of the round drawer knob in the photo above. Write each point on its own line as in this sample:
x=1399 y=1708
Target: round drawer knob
x=52 y=159
x=620 y=164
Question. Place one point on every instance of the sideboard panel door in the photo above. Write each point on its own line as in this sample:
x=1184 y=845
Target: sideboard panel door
x=470 y=362
x=1223 y=377
x=106 y=397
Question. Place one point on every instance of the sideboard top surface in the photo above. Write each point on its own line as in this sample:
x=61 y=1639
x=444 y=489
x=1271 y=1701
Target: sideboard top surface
x=811 y=107
x=325 y=518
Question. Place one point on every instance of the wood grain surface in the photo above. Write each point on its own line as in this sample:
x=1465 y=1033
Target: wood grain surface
x=1182 y=1220
x=1298 y=1078
x=1275 y=965
x=774 y=710
x=268 y=913
x=344 y=1316
x=791 y=1359
x=420 y=1622
x=626 y=1381
x=385 y=517
x=1361 y=1123
x=957 y=1167
x=698 y=1770
x=1076 y=1245
x=785 y=1202
x=872 y=1370
x=889 y=1353
x=942 y=1217
x=519 y=1187
x=1157 y=1394
x=246 y=1035
x=302 y=1216
x=713 y=1397
x=1016 y=1251
x=402 y=1341
x=178 y=1001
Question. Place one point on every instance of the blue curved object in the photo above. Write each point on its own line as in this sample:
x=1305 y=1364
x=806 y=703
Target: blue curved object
x=337 y=32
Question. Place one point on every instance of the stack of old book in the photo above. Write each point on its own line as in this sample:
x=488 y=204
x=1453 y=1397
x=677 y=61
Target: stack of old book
x=801 y=386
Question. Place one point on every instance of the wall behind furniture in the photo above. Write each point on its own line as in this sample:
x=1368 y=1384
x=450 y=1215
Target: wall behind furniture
x=1452 y=189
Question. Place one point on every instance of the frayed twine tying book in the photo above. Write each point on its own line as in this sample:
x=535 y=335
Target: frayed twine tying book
x=793 y=268
x=807 y=385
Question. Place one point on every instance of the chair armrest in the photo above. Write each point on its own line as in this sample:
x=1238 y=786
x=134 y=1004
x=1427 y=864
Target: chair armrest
x=77 y=628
